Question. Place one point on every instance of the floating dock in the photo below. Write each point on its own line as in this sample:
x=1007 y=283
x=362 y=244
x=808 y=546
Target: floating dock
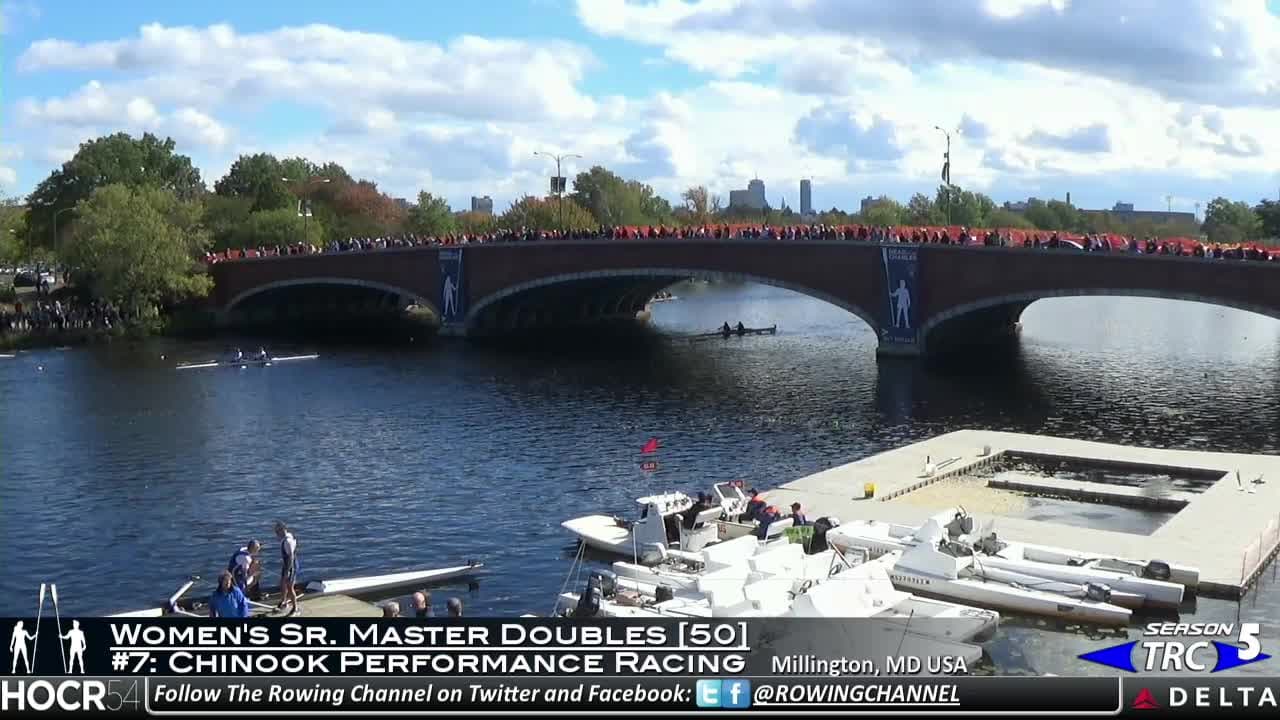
x=1230 y=530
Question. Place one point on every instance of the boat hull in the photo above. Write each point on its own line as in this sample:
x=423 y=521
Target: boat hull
x=357 y=586
x=880 y=538
x=601 y=532
x=1000 y=596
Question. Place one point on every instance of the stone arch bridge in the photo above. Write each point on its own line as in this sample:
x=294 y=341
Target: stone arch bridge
x=917 y=299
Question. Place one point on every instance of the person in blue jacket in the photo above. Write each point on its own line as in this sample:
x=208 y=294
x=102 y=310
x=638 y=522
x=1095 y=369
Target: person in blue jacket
x=227 y=601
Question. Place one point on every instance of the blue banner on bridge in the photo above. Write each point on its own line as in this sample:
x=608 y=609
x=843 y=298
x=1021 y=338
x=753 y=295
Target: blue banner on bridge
x=453 y=298
x=902 y=285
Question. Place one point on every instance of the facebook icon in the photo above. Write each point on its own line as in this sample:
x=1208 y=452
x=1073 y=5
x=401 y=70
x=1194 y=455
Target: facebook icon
x=732 y=694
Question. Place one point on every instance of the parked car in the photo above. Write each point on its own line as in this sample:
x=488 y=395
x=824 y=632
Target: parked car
x=24 y=279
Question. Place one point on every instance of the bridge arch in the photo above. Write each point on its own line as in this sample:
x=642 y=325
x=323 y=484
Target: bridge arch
x=659 y=278
x=1008 y=308
x=416 y=297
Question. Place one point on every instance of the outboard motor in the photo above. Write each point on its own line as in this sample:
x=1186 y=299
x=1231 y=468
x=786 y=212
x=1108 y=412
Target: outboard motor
x=589 y=601
x=606 y=581
x=818 y=543
x=663 y=593
x=1157 y=570
x=1097 y=592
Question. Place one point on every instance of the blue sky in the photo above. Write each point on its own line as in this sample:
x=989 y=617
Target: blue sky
x=1108 y=100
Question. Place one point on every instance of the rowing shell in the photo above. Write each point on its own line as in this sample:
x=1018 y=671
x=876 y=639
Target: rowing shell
x=364 y=585
x=381 y=583
x=246 y=363
x=772 y=330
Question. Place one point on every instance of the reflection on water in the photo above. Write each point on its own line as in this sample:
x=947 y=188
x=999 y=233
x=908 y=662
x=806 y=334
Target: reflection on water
x=120 y=476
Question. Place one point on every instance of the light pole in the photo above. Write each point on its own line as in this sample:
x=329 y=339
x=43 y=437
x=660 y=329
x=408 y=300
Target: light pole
x=306 y=206
x=559 y=184
x=946 y=170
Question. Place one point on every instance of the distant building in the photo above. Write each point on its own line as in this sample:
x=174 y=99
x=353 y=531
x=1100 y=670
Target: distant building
x=482 y=205
x=806 y=197
x=1021 y=205
x=753 y=198
x=1124 y=212
x=403 y=203
x=869 y=202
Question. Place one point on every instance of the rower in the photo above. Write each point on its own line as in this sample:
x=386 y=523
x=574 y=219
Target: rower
x=262 y=355
x=741 y=330
x=244 y=567
x=236 y=355
x=725 y=329
x=288 y=568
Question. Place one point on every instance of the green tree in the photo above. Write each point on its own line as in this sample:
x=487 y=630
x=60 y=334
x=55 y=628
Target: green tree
x=614 y=201
x=836 y=216
x=13 y=221
x=1268 y=212
x=119 y=158
x=225 y=217
x=300 y=169
x=1001 y=218
x=271 y=228
x=534 y=213
x=1229 y=222
x=1066 y=216
x=135 y=246
x=431 y=216
x=963 y=207
x=885 y=211
x=921 y=210
x=1039 y=214
x=473 y=222
x=260 y=178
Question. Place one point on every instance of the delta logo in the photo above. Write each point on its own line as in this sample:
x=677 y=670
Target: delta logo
x=1185 y=647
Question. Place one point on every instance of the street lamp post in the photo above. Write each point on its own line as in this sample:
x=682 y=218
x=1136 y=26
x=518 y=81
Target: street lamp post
x=946 y=170
x=560 y=181
x=54 y=246
x=306 y=208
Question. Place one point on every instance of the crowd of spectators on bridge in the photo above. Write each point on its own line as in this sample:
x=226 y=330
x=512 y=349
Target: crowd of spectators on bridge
x=954 y=235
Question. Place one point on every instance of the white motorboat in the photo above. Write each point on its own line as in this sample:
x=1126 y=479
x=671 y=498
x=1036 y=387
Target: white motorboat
x=662 y=525
x=658 y=525
x=948 y=569
x=744 y=577
x=1153 y=581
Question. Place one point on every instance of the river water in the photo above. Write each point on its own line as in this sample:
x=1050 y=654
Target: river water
x=119 y=476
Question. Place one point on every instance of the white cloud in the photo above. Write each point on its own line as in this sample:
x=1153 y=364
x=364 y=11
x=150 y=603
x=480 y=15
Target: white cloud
x=319 y=65
x=1180 y=54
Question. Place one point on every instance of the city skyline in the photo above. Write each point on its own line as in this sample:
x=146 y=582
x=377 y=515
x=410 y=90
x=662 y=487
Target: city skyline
x=632 y=87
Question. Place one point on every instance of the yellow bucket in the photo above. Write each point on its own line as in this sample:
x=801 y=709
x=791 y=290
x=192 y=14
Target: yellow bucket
x=869 y=490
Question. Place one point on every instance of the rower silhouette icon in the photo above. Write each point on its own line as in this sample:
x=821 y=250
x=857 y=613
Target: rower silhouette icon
x=75 y=654
x=18 y=647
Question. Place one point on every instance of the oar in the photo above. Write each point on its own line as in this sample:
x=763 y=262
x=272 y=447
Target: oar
x=53 y=588
x=39 y=613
